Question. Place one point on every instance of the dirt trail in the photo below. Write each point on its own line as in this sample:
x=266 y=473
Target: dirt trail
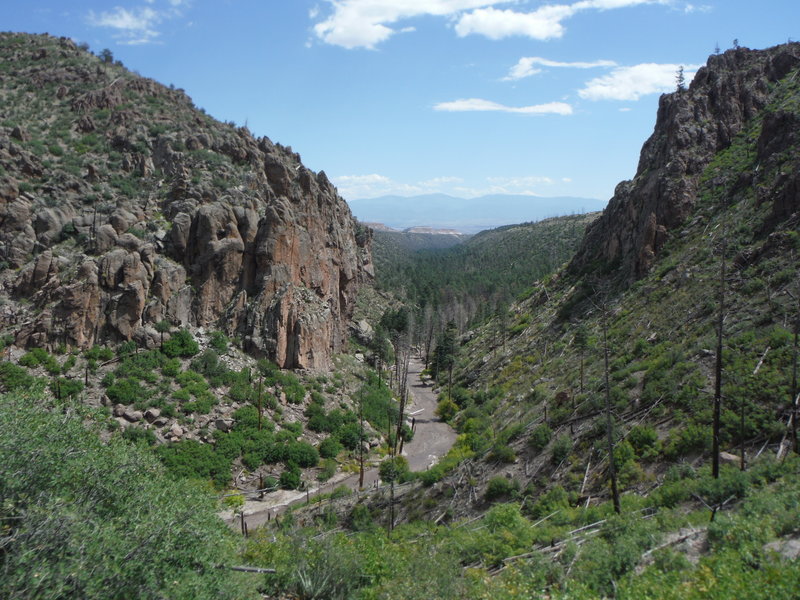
x=432 y=440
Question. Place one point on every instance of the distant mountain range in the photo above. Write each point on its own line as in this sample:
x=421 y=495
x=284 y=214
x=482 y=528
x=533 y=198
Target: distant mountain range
x=468 y=215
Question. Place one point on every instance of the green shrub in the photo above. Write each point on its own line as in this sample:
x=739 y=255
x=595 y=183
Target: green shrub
x=291 y=386
x=15 y=378
x=126 y=348
x=126 y=391
x=500 y=487
x=39 y=356
x=181 y=344
x=328 y=469
x=101 y=353
x=446 y=409
x=69 y=364
x=394 y=469
x=66 y=388
x=290 y=478
x=349 y=435
x=503 y=453
x=171 y=368
x=540 y=437
x=216 y=372
x=83 y=518
x=561 y=448
x=218 y=341
x=138 y=435
x=642 y=438
x=189 y=458
x=302 y=454
x=329 y=448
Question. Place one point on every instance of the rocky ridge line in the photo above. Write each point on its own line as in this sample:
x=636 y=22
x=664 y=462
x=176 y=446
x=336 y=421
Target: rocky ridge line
x=121 y=205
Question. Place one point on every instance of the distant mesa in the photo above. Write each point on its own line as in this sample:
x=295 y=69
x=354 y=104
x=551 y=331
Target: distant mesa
x=441 y=213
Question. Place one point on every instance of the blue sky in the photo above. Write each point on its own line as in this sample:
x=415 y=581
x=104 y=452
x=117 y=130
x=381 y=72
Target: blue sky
x=465 y=97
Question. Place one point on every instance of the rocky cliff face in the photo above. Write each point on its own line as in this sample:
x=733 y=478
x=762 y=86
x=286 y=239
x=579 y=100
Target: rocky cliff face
x=122 y=205
x=692 y=127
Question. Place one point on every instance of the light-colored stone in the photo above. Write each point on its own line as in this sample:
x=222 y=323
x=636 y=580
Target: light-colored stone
x=134 y=416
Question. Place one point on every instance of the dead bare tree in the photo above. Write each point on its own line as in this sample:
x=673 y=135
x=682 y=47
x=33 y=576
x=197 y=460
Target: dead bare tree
x=718 y=360
x=612 y=463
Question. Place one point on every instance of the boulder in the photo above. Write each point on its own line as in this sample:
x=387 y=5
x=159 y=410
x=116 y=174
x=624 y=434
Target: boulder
x=134 y=416
x=224 y=424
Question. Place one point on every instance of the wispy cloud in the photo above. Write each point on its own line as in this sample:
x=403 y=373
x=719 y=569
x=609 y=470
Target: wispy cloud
x=631 y=83
x=367 y=23
x=527 y=66
x=480 y=105
x=354 y=187
x=528 y=185
x=137 y=25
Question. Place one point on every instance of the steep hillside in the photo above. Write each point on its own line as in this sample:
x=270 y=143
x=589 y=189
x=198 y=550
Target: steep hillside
x=693 y=126
x=533 y=409
x=123 y=205
x=621 y=345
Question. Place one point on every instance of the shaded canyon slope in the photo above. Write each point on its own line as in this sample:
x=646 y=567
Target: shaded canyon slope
x=692 y=127
x=122 y=205
x=718 y=183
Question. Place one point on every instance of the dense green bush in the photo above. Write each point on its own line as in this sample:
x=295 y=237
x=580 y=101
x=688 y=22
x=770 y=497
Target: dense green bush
x=303 y=454
x=503 y=453
x=330 y=447
x=218 y=341
x=15 y=378
x=66 y=388
x=290 y=478
x=500 y=487
x=394 y=469
x=189 y=458
x=86 y=519
x=180 y=344
x=39 y=356
x=216 y=372
x=540 y=437
x=561 y=448
x=126 y=391
x=101 y=353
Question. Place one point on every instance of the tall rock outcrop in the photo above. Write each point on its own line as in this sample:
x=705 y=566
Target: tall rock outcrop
x=122 y=205
x=692 y=127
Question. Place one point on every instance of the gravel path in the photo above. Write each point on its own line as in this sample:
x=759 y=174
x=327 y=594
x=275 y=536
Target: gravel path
x=432 y=439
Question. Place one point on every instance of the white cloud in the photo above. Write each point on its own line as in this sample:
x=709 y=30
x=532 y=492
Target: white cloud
x=525 y=66
x=354 y=187
x=136 y=25
x=520 y=182
x=479 y=105
x=363 y=23
x=439 y=181
x=367 y=23
x=631 y=83
x=541 y=24
x=529 y=185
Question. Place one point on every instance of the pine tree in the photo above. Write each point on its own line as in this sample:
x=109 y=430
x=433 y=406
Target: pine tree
x=680 y=80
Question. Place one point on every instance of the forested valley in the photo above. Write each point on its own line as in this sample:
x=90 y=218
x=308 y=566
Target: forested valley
x=195 y=333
